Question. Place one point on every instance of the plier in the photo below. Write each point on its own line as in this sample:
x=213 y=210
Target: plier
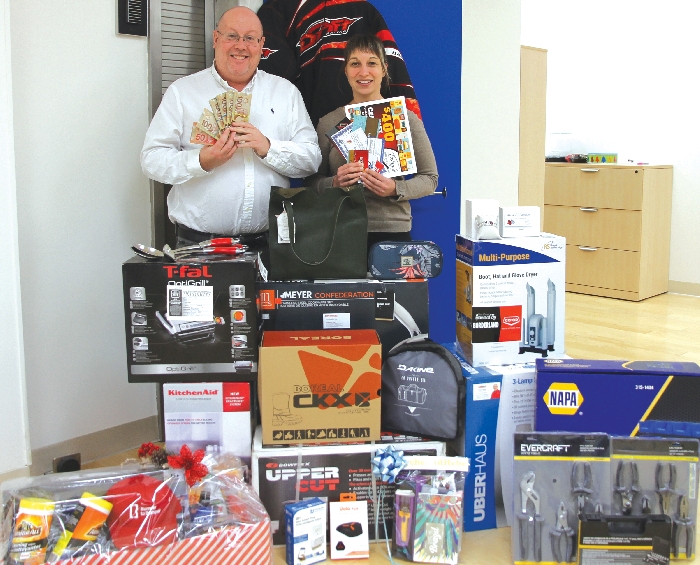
x=684 y=523
x=562 y=531
x=665 y=489
x=530 y=524
x=627 y=490
x=581 y=483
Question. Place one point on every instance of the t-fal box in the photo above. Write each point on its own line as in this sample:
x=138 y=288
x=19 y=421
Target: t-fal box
x=320 y=386
x=204 y=414
x=395 y=309
x=190 y=322
x=626 y=398
x=510 y=299
x=325 y=471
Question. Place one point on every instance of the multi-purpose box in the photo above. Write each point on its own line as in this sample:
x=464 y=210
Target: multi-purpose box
x=625 y=398
x=510 y=299
x=395 y=309
x=201 y=415
x=325 y=471
x=190 y=321
x=320 y=386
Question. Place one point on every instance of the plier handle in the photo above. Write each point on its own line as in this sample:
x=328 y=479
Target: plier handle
x=684 y=524
x=627 y=489
x=665 y=488
x=561 y=531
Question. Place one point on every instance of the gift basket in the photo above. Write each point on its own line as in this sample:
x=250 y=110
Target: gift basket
x=198 y=508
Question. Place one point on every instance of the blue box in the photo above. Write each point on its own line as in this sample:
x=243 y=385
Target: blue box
x=305 y=531
x=627 y=398
x=479 y=444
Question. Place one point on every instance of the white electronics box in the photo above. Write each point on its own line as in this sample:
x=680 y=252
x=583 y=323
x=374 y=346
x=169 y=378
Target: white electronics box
x=348 y=527
x=305 y=531
x=484 y=207
x=519 y=221
x=510 y=299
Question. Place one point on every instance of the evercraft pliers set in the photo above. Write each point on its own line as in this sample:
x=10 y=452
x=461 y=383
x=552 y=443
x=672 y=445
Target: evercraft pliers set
x=559 y=477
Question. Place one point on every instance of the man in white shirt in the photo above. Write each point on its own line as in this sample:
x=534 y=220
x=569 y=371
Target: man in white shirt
x=224 y=189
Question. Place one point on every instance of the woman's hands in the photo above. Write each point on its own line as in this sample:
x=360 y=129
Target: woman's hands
x=348 y=174
x=351 y=173
x=379 y=184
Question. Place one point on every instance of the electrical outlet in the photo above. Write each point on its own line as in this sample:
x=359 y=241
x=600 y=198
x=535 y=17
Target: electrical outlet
x=66 y=463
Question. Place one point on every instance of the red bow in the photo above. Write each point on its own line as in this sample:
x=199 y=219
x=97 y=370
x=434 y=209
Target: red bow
x=147 y=449
x=195 y=471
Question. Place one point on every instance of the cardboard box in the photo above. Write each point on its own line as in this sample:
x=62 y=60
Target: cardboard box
x=519 y=221
x=510 y=299
x=395 y=309
x=209 y=414
x=324 y=471
x=626 y=398
x=320 y=386
x=190 y=322
x=348 y=529
x=500 y=401
x=484 y=207
x=306 y=531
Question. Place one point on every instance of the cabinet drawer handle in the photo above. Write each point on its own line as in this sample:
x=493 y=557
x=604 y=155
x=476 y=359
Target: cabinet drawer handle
x=588 y=209
x=587 y=248
x=590 y=170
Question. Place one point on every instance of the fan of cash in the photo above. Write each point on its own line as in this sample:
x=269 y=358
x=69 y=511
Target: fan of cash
x=226 y=108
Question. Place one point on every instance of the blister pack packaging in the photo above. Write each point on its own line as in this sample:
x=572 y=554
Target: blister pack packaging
x=556 y=477
x=658 y=476
x=133 y=514
x=429 y=511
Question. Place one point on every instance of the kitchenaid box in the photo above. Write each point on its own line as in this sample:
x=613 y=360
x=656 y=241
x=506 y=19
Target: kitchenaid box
x=395 y=309
x=325 y=471
x=190 y=321
x=510 y=299
x=320 y=386
x=624 y=398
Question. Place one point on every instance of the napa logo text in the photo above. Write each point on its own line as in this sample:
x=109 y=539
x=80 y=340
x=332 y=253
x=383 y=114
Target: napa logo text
x=563 y=399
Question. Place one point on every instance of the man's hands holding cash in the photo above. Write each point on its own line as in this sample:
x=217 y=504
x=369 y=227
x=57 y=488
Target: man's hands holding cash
x=239 y=134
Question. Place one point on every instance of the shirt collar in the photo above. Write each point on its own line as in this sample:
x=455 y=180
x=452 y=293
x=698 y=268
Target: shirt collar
x=217 y=77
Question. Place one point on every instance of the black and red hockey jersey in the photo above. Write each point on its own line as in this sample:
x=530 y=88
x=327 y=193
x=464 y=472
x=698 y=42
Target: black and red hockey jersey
x=304 y=42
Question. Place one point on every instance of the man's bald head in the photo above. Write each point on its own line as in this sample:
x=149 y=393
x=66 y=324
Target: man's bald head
x=238 y=43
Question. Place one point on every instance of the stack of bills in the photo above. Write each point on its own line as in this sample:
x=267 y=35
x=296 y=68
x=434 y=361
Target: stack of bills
x=226 y=108
x=378 y=135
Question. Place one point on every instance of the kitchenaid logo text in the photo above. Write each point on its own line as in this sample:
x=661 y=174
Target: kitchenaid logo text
x=204 y=392
x=403 y=367
x=544 y=448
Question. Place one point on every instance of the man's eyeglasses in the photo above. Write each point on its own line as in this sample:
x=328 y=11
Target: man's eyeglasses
x=235 y=38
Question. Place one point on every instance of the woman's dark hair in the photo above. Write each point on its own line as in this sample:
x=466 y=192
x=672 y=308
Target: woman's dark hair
x=369 y=44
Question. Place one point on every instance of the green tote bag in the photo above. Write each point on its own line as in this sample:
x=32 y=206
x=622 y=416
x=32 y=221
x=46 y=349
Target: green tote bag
x=318 y=236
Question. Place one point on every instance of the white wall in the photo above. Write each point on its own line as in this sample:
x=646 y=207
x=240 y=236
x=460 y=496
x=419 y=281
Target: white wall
x=490 y=100
x=14 y=440
x=80 y=114
x=622 y=77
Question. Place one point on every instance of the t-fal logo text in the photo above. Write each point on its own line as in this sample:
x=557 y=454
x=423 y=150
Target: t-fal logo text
x=322 y=28
x=192 y=392
x=403 y=367
x=347 y=400
x=316 y=479
x=187 y=272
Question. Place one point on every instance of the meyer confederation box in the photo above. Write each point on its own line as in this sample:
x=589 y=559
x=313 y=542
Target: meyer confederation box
x=283 y=474
x=395 y=309
x=510 y=299
x=192 y=321
x=320 y=386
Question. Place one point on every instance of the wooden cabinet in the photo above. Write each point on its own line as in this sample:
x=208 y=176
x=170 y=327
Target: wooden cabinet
x=617 y=224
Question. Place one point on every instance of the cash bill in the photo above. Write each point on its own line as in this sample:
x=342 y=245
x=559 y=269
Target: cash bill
x=216 y=111
x=207 y=123
x=241 y=112
x=200 y=137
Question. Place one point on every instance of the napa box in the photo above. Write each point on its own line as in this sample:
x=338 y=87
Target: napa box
x=510 y=299
x=320 y=386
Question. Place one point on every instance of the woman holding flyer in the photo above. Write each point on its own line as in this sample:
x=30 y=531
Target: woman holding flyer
x=371 y=142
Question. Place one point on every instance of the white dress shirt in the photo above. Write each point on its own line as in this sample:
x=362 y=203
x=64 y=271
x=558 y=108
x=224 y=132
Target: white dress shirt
x=234 y=197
